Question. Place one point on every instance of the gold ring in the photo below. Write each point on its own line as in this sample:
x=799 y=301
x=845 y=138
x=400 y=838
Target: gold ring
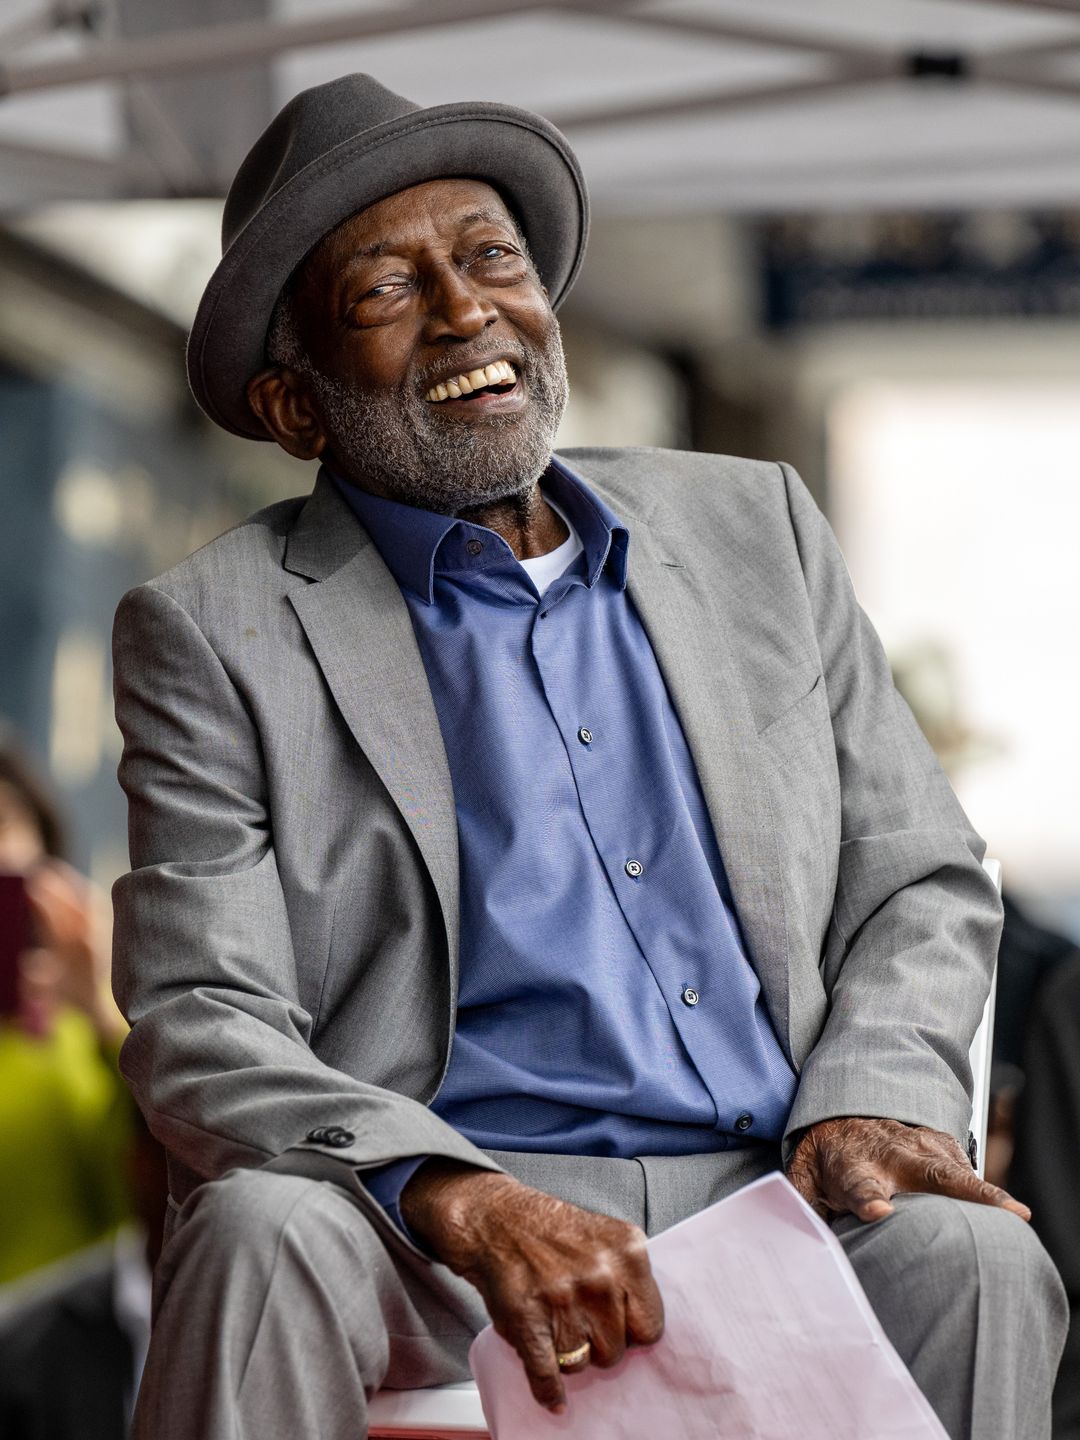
x=573 y=1357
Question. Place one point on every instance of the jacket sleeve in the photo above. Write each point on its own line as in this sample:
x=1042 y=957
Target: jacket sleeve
x=219 y=1053
x=916 y=920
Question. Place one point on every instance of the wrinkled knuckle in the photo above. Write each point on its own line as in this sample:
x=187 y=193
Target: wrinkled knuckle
x=560 y=1291
x=531 y=1338
x=600 y=1275
x=636 y=1243
x=941 y=1172
x=604 y=1257
x=857 y=1184
x=636 y=1265
x=538 y=1363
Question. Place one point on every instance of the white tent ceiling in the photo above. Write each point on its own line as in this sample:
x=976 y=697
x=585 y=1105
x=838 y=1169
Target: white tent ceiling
x=675 y=106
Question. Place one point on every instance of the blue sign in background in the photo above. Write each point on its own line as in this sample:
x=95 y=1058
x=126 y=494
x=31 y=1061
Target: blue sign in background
x=834 y=269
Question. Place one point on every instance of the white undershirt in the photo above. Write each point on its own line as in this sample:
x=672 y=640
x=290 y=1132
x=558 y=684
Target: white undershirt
x=544 y=570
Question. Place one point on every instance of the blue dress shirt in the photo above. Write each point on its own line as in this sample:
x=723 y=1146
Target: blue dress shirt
x=606 y=1004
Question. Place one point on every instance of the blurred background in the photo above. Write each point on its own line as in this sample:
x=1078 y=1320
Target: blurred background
x=843 y=233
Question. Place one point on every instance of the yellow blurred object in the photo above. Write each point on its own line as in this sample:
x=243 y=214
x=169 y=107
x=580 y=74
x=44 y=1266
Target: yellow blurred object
x=65 y=1131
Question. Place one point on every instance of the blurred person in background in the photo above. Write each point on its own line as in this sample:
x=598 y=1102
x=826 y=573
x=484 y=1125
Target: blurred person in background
x=1029 y=952
x=65 y=1115
x=1045 y=1170
x=1033 y=1140
x=73 y=1337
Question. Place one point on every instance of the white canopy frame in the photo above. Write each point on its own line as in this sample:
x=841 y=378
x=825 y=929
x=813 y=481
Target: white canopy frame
x=836 y=65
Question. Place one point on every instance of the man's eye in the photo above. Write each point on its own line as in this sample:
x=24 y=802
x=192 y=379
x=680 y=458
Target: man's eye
x=368 y=307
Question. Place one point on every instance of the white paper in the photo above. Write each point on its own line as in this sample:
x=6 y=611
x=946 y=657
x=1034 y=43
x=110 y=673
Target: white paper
x=768 y=1336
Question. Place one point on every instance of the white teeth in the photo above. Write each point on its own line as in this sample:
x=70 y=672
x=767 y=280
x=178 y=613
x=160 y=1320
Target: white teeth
x=500 y=372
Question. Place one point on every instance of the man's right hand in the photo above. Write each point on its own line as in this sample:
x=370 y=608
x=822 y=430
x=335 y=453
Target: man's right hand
x=551 y=1275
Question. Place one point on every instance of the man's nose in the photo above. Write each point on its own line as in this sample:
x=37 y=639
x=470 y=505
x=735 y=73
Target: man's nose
x=456 y=306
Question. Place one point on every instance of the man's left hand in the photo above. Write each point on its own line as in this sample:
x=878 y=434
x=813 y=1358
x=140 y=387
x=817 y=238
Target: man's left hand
x=855 y=1165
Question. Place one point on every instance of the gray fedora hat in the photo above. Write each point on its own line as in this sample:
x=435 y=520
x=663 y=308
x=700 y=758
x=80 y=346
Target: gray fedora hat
x=332 y=151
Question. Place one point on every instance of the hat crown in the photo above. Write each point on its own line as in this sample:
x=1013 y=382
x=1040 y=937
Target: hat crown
x=333 y=151
x=313 y=122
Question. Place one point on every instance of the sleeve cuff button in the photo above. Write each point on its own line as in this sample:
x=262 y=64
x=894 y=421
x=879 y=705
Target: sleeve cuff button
x=331 y=1135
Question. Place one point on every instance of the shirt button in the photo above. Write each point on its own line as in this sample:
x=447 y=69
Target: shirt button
x=474 y=547
x=690 y=996
x=744 y=1121
x=585 y=735
x=634 y=869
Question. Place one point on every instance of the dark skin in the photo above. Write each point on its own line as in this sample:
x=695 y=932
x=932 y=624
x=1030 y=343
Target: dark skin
x=451 y=278
x=412 y=282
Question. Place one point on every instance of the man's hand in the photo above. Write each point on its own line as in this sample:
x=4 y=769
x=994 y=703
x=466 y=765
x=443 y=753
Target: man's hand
x=856 y=1165
x=69 y=965
x=552 y=1276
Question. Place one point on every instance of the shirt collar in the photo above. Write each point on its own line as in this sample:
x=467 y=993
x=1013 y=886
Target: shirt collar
x=417 y=544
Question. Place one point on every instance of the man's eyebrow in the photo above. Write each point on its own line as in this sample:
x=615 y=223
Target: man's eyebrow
x=370 y=252
x=494 y=217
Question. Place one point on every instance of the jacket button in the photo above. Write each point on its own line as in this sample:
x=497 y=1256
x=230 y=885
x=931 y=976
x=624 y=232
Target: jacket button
x=338 y=1137
x=331 y=1135
x=634 y=869
x=744 y=1121
x=690 y=996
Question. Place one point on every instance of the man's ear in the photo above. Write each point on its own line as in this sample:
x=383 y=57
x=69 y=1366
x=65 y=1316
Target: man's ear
x=279 y=398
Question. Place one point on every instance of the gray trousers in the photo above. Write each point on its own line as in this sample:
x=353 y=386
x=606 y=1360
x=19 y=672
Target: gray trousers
x=282 y=1301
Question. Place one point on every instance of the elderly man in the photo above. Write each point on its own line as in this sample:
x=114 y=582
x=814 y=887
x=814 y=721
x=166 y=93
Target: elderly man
x=527 y=850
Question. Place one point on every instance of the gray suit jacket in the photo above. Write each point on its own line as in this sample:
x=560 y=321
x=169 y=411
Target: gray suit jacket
x=287 y=939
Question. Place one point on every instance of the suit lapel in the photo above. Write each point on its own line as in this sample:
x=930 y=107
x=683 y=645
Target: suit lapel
x=682 y=607
x=359 y=628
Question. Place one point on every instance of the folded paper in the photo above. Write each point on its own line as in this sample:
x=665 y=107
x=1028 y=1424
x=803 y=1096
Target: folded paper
x=768 y=1335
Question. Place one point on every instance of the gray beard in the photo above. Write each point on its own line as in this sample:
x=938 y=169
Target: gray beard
x=400 y=445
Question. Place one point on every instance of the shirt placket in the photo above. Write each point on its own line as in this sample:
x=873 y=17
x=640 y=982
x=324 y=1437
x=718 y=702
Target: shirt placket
x=653 y=862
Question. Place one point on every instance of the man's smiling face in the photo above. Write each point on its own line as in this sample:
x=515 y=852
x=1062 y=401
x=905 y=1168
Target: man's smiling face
x=416 y=350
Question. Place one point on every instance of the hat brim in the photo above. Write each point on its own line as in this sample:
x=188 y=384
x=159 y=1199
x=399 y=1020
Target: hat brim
x=520 y=154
